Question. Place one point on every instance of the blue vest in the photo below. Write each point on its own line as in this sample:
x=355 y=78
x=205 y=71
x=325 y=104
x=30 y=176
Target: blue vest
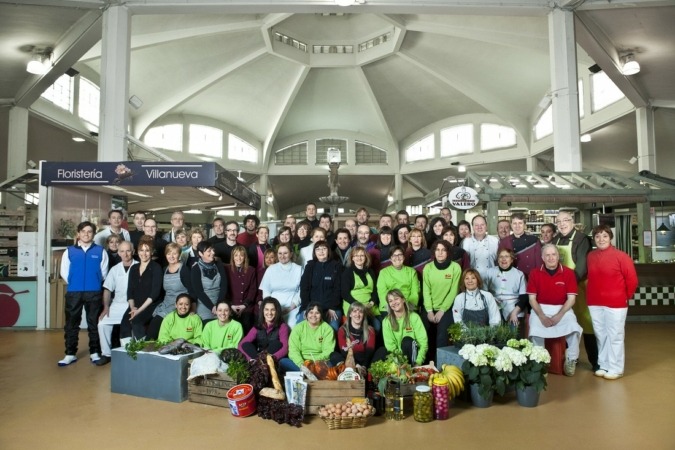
x=85 y=268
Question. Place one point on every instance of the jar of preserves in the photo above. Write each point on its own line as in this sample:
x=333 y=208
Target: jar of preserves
x=423 y=404
x=441 y=395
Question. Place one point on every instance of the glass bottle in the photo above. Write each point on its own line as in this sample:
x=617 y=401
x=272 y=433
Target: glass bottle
x=423 y=404
x=441 y=395
x=398 y=402
x=389 y=396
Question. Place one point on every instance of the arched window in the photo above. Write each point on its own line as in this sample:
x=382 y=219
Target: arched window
x=240 y=150
x=603 y=91
x=421 y=150
x=322 y=146
x=61 y=93
x=457 y=140
x=89 y=101
x=544 y=125
x=493 y=136
x=205 y=140
x=167 y=137
x=295 y=154
x=369 y=154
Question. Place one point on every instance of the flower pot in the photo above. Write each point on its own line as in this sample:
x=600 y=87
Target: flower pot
x=528 y=396
x=477 y=400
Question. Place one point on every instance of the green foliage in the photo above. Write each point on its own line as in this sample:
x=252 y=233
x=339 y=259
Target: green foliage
x=237 y=369
x=479 y=334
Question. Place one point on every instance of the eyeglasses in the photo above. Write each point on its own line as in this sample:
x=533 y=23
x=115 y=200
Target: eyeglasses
x=397 y=255
x=233 y=230
x=558 y=222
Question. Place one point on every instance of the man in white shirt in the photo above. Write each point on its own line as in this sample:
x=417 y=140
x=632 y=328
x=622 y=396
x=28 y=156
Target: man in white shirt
x=115 y=219
x=481 y=247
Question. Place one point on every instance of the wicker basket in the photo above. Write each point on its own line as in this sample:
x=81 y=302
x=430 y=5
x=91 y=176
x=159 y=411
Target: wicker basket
x=343 y=423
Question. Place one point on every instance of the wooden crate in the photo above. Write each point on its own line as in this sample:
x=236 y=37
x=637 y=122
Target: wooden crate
x=211 y=390
x=322 y=392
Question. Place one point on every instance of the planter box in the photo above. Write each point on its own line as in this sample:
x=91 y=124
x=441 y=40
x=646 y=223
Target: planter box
x=210 y=390
x=448 y=355
x=322 y=392
x=151 y=375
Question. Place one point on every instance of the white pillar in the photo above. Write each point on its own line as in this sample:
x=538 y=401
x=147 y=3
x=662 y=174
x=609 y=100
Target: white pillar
x=532 y=164
x=564 y=90
x=398 y=191
x=114 y=84
x=17 y=142
x=263 y=197
x=646 y=140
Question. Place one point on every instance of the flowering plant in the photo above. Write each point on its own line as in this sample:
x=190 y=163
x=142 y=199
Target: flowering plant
x=531 y=363
x=481 y=368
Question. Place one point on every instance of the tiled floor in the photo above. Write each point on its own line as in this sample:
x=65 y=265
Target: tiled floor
x=43 y=406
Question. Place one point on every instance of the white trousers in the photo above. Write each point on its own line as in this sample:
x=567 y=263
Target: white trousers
x=105 y=337
x=572 y=340
x=609 y=325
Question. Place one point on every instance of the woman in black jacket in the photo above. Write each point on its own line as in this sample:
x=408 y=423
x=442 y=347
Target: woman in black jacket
x=321 y=282
x=209 y=281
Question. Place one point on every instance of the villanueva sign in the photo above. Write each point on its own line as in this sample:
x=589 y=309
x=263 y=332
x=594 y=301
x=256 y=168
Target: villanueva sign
x=129 y=173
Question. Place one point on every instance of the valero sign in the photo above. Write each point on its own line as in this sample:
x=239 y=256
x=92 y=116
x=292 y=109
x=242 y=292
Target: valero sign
x=463 y=197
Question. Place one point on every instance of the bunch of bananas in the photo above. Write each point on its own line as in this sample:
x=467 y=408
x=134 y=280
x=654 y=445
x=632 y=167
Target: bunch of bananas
x=454 y=377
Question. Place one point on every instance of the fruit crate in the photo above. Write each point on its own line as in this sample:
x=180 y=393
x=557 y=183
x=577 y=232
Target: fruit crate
x=211 y=389
x=323 y=392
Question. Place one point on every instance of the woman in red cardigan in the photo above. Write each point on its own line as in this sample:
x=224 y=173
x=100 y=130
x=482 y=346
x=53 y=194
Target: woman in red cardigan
x=359 y=334
x=612 y=281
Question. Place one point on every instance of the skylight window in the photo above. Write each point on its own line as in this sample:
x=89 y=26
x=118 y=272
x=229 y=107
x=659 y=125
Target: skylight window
x=457 y=140
x=421 y=150
x=322 y=146
x=295 y=154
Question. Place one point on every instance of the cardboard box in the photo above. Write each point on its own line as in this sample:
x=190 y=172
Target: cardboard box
x=322 y=392
x=150 y=375
x=210 y=390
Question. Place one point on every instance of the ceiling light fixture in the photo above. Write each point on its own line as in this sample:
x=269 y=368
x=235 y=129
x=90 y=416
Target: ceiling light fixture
x=633 y=160
x=135 y=102
x=461 y=168
x=585 y=137
x=161 y=191
x=349 y=2
x=628 y=65
x=78 y=139
x=38 y=65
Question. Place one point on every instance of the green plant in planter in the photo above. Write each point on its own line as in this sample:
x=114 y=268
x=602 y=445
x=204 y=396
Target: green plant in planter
x=455 y=333
x=480 y=369
x=479 y=334
x=66 y=228
x=503 y=333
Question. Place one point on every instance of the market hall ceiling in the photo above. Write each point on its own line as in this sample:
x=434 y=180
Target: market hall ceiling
x=425 y=63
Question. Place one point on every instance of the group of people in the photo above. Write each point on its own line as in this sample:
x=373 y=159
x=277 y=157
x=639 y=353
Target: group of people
x=313 y=293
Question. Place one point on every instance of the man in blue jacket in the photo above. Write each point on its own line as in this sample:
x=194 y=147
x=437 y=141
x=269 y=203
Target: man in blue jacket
x=84 y=266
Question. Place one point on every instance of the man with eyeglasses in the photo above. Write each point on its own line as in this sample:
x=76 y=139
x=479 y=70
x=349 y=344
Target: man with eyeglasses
x=363 y=240
x=223 y=249
x=481 y=247
x=574 y=246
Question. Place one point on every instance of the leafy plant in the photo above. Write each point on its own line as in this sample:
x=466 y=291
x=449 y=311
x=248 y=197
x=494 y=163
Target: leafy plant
x=479 y=368
x=530 y=363
x=139 y=345
x=455 y=332
x=66 y=228
x=474 y=334
x=238 y=370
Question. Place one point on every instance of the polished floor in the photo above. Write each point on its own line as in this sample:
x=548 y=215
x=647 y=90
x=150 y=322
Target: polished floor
x=43 y=406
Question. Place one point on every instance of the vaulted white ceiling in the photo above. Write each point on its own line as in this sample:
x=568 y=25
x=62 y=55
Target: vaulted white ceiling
x=221 y=62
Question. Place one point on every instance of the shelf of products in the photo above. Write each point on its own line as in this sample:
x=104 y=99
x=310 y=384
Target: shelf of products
x=534 y=218
x=11 y=222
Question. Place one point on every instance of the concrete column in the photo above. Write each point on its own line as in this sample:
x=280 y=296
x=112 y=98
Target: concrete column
x=532 y=164
x=17 y=142
x=564 y=91
x=492 y=214
x=263 y=197
x=644 y=219
x=646 y=140
x=115 y=49
x=398 y=191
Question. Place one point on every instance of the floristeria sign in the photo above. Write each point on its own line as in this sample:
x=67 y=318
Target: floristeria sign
x=131 y=173
x=463 y=197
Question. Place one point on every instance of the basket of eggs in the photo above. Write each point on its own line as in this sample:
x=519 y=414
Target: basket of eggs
x=354 y=414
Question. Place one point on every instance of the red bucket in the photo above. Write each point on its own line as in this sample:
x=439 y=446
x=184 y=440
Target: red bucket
x=241 y=400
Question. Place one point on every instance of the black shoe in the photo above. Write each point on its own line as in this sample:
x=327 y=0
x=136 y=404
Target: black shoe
x=103 y=360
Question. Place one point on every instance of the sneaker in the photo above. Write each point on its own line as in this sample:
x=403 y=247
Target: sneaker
x=67 y=360
x=600 y=373
x=94 y=357
x=570 y=367
x=103 y=360
x=612 y=376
